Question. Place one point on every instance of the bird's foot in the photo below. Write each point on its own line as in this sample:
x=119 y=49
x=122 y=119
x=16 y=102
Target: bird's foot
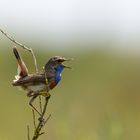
x=45 y=94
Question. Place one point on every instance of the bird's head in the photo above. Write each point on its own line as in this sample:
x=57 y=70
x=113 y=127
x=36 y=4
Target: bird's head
x=56 y=63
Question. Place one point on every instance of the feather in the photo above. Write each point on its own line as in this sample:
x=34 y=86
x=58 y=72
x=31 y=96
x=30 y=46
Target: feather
x=22 y=69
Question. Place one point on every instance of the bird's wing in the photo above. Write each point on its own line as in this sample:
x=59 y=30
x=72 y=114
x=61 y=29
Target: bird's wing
x=30 y=80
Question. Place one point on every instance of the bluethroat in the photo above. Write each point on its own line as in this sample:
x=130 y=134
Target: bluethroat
x=39 y=83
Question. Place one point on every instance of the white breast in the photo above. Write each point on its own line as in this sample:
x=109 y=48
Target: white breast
x=38 y=88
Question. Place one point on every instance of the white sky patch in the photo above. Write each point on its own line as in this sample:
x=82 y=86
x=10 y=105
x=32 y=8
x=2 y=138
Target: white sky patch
x=67 y=19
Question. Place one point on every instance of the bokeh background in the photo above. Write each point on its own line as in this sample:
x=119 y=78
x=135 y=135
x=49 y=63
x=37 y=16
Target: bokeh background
x=99 y=99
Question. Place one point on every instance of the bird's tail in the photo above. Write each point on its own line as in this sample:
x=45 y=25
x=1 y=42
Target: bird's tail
x=22 y=69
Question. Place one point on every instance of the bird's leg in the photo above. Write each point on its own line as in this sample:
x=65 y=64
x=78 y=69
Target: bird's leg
x=31 y=101
x=45 y=94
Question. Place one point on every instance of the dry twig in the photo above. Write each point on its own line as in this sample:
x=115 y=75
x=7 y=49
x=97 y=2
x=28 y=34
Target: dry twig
x=41 y=120
x=40 y=103
x=34 y=118
x=23 y=46
x=28 y=132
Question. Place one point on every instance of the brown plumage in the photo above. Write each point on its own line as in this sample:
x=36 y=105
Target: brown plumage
x=39 y=83
x=22 y=69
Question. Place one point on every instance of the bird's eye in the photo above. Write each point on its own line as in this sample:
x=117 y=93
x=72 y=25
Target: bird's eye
x=59 y=60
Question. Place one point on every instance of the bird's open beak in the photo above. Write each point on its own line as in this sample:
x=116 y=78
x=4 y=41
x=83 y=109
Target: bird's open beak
x=65 y=66
x=67 y=59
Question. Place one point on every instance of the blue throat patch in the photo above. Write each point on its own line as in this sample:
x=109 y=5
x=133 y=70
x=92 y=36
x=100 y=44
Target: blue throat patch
x=59 y=70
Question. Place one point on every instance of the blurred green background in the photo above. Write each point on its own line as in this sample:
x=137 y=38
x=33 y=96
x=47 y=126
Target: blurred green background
x=97 y=100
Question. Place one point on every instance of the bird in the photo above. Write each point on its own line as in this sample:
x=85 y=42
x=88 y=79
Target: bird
x=39 y=83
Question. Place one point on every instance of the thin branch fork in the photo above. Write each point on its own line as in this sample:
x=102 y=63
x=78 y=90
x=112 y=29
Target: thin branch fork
x=23 y=46
x=41 y=120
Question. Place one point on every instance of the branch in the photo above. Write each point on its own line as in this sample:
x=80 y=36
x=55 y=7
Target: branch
x=34 y=118
x=23 y=46
x=41 y=120
x=40 y=103
x=28 y=132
